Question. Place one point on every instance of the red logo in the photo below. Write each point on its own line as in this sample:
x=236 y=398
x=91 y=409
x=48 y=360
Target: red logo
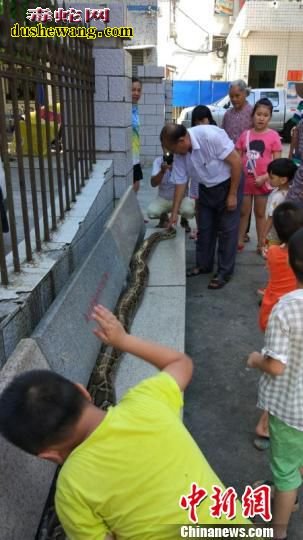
x=224 y=502
x=256 y=502
x=192 y=501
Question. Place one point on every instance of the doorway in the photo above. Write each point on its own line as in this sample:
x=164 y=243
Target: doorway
x=262 y=71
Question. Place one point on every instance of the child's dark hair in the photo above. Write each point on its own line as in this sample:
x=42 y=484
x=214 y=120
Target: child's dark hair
x=199 y=113
x=282 y=167
x=264 y=102
x=38 y=409
x=295 y=254
x=172 y=133
x=287 y=219
x=135 y=79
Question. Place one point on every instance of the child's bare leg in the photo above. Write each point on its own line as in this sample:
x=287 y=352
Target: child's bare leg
x=282 y=510
x=136 y=186
x=259 y=208
x=262 y=428
x=245 y=213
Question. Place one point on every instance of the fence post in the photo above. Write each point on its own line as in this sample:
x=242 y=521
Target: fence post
x=152 y=107
x=113 y=102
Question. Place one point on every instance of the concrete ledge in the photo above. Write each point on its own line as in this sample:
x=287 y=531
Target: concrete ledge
x=161 y=316
x=65 y=333
x=30 y=293
x=25 y=480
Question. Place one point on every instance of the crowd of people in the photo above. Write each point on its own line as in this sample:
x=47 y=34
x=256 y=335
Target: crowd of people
x=133 y=471
x=230 y=173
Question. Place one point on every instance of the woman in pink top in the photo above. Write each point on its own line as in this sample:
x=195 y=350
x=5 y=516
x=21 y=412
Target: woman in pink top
x=258 y=147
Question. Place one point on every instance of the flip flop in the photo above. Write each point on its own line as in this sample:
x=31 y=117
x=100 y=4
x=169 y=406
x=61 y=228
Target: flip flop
x=184 y=223
x=246 y=238
x=261 y=443
x=193 y=272
x=217 y=283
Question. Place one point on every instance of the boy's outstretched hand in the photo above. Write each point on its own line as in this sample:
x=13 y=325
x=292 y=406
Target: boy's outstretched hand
x=109 y=329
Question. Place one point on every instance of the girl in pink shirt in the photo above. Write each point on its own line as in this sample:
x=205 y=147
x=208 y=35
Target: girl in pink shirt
x=258 y=147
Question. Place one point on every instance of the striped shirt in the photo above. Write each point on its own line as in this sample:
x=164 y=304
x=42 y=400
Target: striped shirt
x=135 y=134
x=282 y=395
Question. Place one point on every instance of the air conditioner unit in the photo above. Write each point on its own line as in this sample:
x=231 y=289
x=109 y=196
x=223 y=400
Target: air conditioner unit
x=231 y=19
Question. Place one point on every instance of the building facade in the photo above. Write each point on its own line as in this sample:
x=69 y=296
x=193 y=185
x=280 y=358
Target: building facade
x=142 y=16
x=187 y=37
x=266 y=42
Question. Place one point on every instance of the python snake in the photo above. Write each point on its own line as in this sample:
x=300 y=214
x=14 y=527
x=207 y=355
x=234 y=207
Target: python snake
x=101 y=383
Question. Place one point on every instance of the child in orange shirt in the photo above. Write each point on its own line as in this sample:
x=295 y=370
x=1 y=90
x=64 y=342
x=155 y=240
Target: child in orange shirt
x=287 y=219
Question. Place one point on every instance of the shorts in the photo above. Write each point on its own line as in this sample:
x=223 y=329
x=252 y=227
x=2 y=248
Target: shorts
x=138 y=174
x=286 y=454
x=272 y=242
x=250 y=187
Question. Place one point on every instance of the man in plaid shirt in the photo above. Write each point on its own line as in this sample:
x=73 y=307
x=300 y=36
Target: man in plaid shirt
x=281 y=391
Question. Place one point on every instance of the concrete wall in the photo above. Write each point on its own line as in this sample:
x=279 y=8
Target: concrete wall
x=113 y=70
x=154 y=109
x=196 y=23
x=168 y=85
x=263 y=30
x=287 y=47
x=260 y=15
x=142 y=16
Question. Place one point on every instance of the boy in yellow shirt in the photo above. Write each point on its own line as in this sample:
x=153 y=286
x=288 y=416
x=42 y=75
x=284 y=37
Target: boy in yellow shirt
x=128 y=472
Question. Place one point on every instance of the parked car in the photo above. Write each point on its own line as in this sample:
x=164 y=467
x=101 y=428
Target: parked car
x=282 y=110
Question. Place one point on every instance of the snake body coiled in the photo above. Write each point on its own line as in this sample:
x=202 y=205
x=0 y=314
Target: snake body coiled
x=101 y=383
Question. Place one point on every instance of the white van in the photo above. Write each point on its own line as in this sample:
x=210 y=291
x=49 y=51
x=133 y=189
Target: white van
x=282 y=113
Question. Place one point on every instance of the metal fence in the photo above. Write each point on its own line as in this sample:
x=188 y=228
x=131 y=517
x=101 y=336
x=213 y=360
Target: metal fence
x=47 y=130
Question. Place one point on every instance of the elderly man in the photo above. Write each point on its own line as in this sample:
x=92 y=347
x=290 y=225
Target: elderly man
x=207 y=155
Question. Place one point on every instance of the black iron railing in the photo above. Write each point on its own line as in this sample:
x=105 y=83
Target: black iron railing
x=47 y=131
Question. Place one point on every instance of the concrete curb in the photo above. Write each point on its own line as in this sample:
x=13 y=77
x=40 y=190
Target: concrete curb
x=161 y=316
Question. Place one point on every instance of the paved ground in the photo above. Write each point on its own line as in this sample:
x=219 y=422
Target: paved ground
x=220 y=404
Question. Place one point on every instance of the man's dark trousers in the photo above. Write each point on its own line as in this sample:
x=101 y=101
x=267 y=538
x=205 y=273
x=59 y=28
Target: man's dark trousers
x=216 y=223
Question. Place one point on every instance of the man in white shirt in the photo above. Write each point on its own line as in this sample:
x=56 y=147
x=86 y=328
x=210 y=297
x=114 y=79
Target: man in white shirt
x=206 y=154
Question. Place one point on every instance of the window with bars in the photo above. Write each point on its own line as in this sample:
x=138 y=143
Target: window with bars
x=138 y=60
x=218 y=42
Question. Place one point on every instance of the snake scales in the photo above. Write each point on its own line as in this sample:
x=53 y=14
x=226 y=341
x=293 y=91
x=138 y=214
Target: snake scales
x=101 y=384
